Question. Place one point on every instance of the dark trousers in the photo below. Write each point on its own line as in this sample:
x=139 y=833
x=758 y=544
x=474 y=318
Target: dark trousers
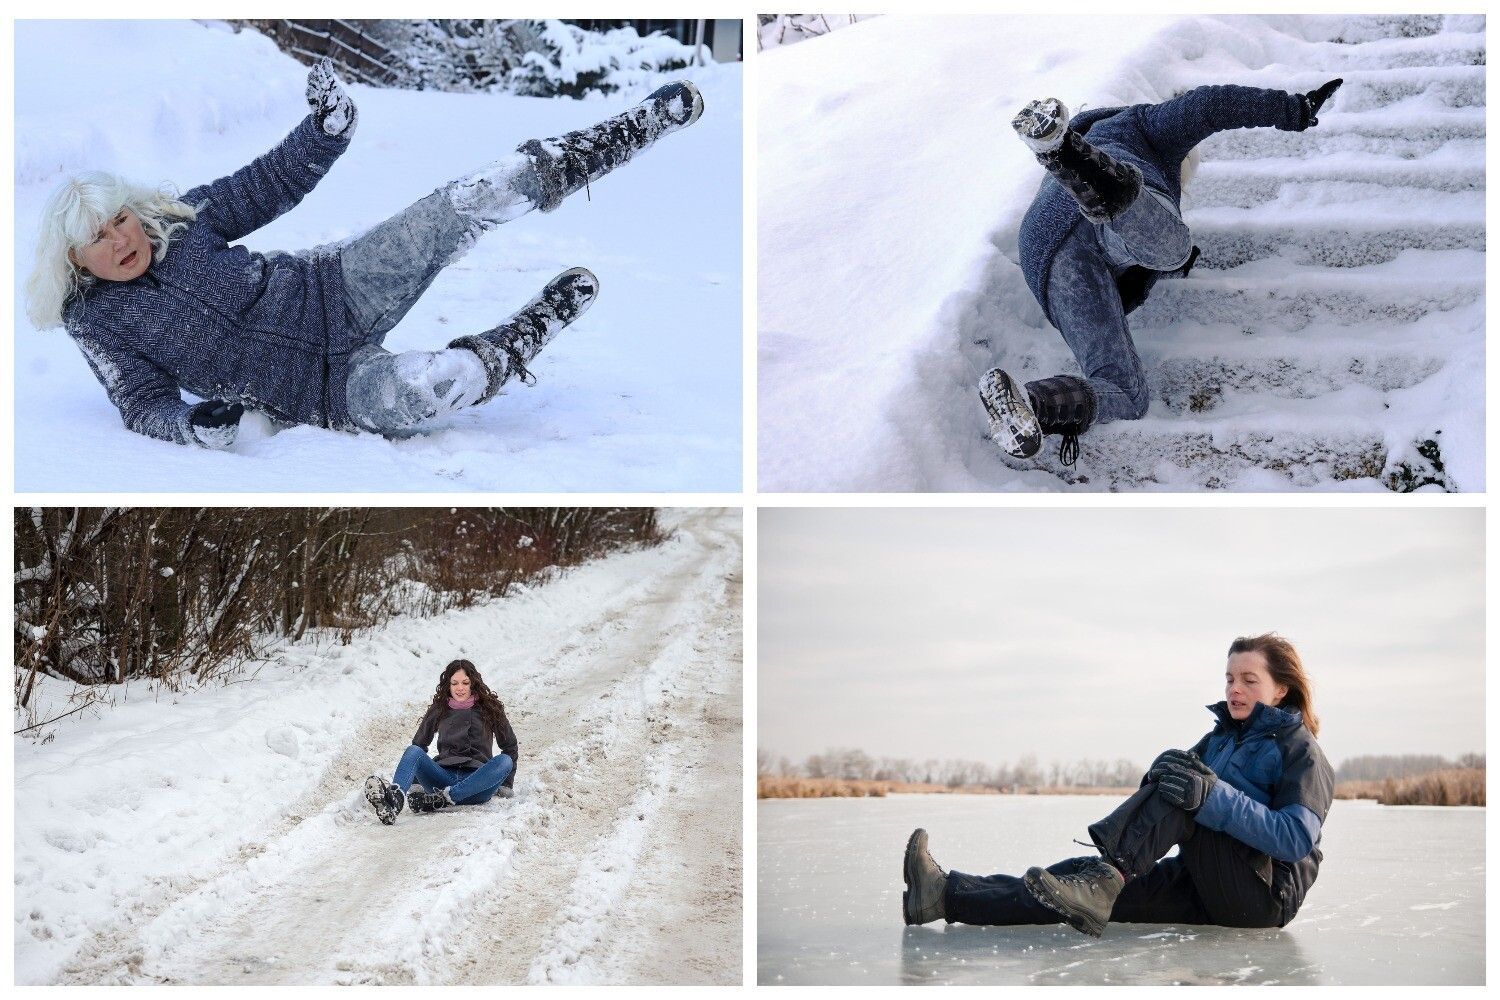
x=1214 y=879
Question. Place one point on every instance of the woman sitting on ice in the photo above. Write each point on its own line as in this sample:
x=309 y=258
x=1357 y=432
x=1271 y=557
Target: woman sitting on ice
x=467 y=720
x=158 y=300
x=1105 y=225
x=1245 y=807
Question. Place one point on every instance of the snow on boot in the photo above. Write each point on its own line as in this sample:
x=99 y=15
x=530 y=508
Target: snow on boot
x=1102 y=186
x=922 y=901
x=569 y=163
x=385 y=798
x=1085 y=896
x=426 y=802
x=1013 y=424
x=506 y=350
x=1066 y=405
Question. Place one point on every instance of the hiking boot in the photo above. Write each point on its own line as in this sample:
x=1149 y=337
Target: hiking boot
x=1085 y=896
x=427 y=802
x=1013 y=423
x=385 y=798
x=1066 y=405
x=507 y=349
x=1102 y=186
x=922 y=902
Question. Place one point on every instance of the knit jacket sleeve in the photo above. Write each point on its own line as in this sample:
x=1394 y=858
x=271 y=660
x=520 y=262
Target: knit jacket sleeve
x=148 y=399
x=506 y=737
x=272 y=185
x=1174 y=127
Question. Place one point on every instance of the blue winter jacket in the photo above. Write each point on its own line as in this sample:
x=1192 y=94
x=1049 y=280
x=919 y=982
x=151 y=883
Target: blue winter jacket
x=1156 y=138
x=224 y=322
x=1274 y=792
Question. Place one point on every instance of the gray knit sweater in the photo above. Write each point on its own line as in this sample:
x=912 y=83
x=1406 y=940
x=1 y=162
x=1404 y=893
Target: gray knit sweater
x=221 y=321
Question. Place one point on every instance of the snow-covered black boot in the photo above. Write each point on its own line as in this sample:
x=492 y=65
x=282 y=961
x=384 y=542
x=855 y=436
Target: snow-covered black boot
x=1102 y=185
x=1019 y=417
x=1084 y=896
x=507 y=349
x=385 y=798
x=570 y=162
x=922 y=902
x=426 y=802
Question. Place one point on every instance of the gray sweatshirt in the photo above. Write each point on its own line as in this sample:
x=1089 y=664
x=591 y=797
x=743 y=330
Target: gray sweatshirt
x=464 y=738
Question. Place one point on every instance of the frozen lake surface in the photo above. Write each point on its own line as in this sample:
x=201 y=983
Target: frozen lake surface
x=1399 y=900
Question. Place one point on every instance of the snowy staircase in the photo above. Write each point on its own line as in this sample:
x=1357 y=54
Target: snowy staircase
x=1334 y=325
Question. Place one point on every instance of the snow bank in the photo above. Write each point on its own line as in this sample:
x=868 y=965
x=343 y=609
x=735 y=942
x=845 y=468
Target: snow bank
x=124 y=803
x=643 y=393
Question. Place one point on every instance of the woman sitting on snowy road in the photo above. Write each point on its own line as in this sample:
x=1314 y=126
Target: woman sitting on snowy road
x=158 y=300
x=1104 y=226
x=1246 y=805
x=467 y=720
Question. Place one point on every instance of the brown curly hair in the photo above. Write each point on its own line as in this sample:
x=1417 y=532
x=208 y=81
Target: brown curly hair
x=490 y=707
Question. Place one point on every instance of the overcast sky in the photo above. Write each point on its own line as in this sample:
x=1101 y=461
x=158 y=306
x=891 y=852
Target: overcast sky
x=988 y=634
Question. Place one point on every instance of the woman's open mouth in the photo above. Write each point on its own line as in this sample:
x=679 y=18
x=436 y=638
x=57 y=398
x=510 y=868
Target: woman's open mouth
x=130 y=258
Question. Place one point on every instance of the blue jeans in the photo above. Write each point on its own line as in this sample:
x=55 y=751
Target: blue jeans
x=1085 y=302
x=466 y=786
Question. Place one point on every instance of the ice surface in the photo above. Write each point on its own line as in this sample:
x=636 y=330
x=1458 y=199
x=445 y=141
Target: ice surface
x=1399 y=900
x=643 y=393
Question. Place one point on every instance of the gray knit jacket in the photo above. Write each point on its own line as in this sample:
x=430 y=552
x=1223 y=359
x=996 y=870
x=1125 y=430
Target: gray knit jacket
x=223 y=322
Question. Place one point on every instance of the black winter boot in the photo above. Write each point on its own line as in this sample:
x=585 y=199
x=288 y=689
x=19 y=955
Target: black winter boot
x=1102 y=185
x=426 y=802
x=385 y=798
x=1085 y=897
x=922 y=902
x=1019 y=417
x=507 y=349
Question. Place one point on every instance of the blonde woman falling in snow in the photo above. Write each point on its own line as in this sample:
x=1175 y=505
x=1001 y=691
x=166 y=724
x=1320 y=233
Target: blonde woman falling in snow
x=159 y=299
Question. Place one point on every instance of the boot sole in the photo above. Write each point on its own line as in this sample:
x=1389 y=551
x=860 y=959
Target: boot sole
x=1049 y=112
x=1078 y=921
x=375 y=795
x=1013 y=427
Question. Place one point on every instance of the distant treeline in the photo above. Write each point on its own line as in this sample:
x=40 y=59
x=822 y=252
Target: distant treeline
x=1379 y=767
x=106 y=594
x=1453 y=787
x=847 y=764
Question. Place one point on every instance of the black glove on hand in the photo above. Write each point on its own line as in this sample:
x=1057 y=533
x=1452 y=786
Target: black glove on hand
x=1186 y=787
x=1313 y=101
x=331 y=107
x=214 y=423
x=1154 y=771
x=1178 y=758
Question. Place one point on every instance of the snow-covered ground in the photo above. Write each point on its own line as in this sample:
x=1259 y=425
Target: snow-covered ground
x=642 y=394
x=1399 y=900
x=221 y=835
x=1330 y=338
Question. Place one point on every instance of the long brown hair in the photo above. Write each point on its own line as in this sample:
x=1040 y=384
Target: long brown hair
x=490 y=707
x=1286 y=669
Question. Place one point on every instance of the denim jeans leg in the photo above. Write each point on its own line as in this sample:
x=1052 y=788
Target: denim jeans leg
x=417 y=765
x=483 y=782
x=1085 y=303
x=1150 y=233
x=389 y=267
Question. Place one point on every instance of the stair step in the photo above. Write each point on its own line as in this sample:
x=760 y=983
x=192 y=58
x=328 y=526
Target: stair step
x=1449 y=49
x=1372 y=27
x=1202 y=383
x=1402 y=134
x=1344 y=176
x=1229 y=238
x=1411 y=286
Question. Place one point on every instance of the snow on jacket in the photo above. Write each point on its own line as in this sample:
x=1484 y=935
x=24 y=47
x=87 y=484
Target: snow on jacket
x=464 y=737
x=1274 y=792
x=1156 y=138
x=224 y=322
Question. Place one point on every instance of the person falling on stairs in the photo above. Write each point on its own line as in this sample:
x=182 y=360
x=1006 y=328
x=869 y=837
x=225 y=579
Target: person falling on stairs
x=1105 y=225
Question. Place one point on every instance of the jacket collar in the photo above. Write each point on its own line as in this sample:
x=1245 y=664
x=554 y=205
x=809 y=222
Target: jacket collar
x=1263 y=718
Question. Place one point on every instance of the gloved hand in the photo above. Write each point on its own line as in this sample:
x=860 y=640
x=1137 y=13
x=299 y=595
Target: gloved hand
x=215 y=423
x=1178 y=758
x=1184 y=786
x=331 y=107
x=1313 y=101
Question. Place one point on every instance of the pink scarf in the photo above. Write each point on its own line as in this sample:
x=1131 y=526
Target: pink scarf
x=467 y=703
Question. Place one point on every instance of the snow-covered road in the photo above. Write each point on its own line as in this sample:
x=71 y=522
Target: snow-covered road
x=623 y=835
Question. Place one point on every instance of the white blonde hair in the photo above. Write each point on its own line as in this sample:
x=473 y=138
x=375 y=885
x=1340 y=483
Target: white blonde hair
x=72 y=218
x=1190 y=167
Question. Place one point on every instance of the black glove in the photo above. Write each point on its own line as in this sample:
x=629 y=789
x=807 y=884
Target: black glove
x=1177 y=758
x=1184 y=786
x=331 y=107
x=214 y=422
x=1313 y=101
x=1154 y=770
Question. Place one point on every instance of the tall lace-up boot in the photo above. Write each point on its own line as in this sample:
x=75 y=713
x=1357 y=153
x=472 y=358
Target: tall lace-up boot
x=1020 y=416
x=1102 y=185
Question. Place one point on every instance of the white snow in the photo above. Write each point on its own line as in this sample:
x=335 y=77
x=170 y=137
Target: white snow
x=1334 y=321
x=220 y=835
x=642 y=393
